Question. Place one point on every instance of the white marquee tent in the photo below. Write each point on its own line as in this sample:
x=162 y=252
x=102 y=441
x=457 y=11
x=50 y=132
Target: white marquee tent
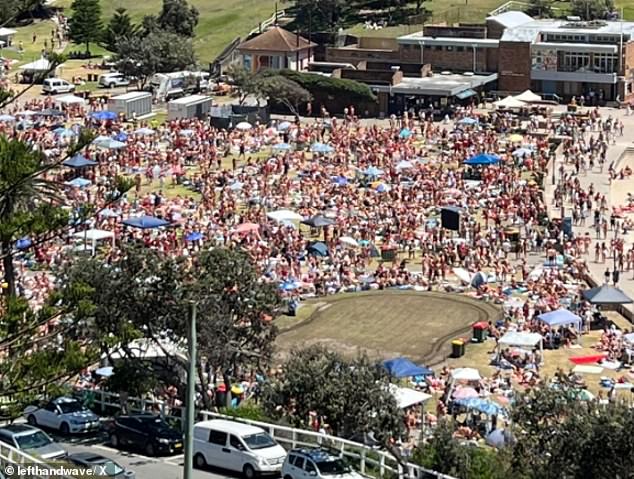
x=509 y=102
x=522 y=340
x=406 y=397
x=93 y=236
x=528 y=97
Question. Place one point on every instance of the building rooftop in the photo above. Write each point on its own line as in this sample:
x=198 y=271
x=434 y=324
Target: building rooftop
x=529 y=31
x=511 y=19
x=444 y=84
x=420 y=39
x=276 y=39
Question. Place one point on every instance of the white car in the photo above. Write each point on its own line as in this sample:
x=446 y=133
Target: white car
x=316 y=463
x=57 y=85
x=64 y=414
x=110 y=80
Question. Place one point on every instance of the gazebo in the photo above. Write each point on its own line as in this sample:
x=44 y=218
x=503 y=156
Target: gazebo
x=522 y=340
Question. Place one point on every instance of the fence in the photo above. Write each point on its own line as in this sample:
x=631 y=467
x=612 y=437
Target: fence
x=272 y=20
x=512 y=5
x=11 y=457
x=369 y=461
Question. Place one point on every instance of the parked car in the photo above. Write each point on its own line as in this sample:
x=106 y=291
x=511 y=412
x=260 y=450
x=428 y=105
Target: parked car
x=146 y=432
x=57 y=85
x=316 y=463
x=237 y=447
x=100 y=465
x=111 y=80
x=32 y=441
x=67 y=415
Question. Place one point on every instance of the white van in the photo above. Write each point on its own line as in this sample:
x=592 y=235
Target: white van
x=57 y=85
x=237 y=447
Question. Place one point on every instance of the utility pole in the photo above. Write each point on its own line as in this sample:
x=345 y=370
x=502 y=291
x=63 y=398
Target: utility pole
x=190 y=405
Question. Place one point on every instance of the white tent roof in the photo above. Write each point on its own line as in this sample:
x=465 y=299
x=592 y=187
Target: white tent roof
x=38 y=65
x=147 y=349
x=463 y=275
x=406 y=397
x=521 y=339
x=466 y=374
x=528 y=96
x=282 y=215
x=509 y=102
x=70 y=100
x=94 y=235
x=5 y=32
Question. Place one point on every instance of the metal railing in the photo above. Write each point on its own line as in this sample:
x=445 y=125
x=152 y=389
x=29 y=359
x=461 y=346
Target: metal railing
x=10 y=457
x=369 y=461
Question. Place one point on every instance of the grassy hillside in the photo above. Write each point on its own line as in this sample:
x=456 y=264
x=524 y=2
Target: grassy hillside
x=219 y=23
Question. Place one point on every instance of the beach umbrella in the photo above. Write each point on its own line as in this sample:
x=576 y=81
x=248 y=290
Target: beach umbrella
x=26 y=113
x=340 y=180
x=318 y=248
x=23 y=243
x=483 y=159
x=244 y=126
x=64 y=132
x=186 y=132
x=194 y=236
x=382 y=188
x=121 y=136
x=405 y=133
x=496 y=438
x=145 y=222
x=282 y=147
x=321 y=148
x=246 y=228
x=7 y=118
x=318 y=221
x=285 y=125
x=466 y=374
x=103 y=115
x=108 y=213
x=290 y=285
x=144 y=132
x=522 y=152
x=105 y=372
x=78 y=161
x=481 y=405
x=468 y=121
x=51 y=112
x=236 y=186
x=404 y=165
x=465 y=393
x=79 y=182
x=110 y=144
x=348 y=241
x=281 y=215
x=24 y=125
x=373 y=171
x=100 y=139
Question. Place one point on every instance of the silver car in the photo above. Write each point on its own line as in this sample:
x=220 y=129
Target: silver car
x=32 y=441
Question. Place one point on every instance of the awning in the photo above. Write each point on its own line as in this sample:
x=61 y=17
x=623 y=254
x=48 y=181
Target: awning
x=465 y=94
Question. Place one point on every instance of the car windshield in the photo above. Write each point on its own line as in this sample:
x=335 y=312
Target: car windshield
x=33 y=441
x=156 y=424
x=108 y=468
x=260 y=440
x=71 y=406
x=333 y=467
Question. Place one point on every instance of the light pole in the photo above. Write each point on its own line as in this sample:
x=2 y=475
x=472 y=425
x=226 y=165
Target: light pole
x=191 y=394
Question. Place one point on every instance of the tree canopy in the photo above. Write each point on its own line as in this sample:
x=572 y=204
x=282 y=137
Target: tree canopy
x=119 y=26
x=592 y=9
x=85 y=25
x=178 y=17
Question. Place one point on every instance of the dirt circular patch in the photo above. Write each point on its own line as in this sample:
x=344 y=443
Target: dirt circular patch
x=417 y=325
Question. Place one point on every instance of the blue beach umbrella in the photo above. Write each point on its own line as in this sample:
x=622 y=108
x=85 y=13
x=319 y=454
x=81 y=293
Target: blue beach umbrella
x=103 y=115
x=23 y=243
x=194 y=236
x=405 y=133
x=79 y=182
x=78 y=161
x=145 y=222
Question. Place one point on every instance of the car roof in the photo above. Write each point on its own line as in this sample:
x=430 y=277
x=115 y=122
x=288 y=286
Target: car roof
x=63 y=400
x=316 y=454
x=234 y=427
x=90 y=457
x=18 y=429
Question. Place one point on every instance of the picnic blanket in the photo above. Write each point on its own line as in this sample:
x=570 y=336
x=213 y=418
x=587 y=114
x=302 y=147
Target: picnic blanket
x=584 y=369
x=588 y=359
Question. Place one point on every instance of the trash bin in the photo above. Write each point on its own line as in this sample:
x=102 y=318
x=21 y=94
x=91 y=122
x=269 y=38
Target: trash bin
x=388 y=254
x=480 y=330
x=457 y=348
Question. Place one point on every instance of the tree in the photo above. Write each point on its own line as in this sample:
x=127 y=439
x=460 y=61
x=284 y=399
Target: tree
x=540 y=9
x=158 y=52
x=279 y=89
x=325 y=15
x=352 y=395
x=120 y=26
x=243 y=81
x=85 y=26
x=178 y=17
x=592 y=9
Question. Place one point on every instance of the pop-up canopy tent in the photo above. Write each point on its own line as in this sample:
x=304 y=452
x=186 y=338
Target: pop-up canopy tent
x=522 y=340
x=560 y=317
x=528 y=97
x=407 y=397
x=606 y=295
x=404 y=368
x=509 y=102
x=93 y=236
x=483 y=159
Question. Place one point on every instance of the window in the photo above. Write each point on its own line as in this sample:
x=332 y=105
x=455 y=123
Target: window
x=217 y=437
x=299 y=462
x=310 y=467
x=604 y=62
x=460 y=49
x=438 y=48
x=51 y=407
x=236 y=443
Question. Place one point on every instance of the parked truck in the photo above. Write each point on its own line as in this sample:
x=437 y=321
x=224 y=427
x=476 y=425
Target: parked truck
x=168 y=86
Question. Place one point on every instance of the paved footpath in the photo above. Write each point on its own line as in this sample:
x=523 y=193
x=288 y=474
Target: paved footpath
x=615 y=193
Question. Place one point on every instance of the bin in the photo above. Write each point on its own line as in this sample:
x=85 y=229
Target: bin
x=388 y=254
x=480 y=331
x=457 y=348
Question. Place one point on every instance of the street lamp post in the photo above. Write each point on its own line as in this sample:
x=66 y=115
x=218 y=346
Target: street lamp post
x=191 y=394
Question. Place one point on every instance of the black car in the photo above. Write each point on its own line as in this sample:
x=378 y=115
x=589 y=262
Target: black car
x=146 y=432
x=100 y=465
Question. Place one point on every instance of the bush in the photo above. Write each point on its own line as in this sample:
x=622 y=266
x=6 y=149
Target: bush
x=246 y=410
x=319 y=85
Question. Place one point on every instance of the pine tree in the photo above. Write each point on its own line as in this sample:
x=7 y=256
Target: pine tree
x=85 y=24
x=120 y=26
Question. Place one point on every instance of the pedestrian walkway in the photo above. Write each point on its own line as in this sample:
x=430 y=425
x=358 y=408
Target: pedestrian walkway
x=615 y=192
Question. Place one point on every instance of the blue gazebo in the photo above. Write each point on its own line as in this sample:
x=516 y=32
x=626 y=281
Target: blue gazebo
x=483 y=159
x=78 y=161
x=145 y=222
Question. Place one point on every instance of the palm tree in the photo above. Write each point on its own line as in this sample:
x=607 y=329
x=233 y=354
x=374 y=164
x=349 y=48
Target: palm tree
x=28 y=201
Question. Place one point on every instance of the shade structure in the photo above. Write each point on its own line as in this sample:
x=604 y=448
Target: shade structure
x=70 y=100
x=466 y=374
x=79 y=161
x=405 y=133
x=510 y=102
x=465 y=392
x=282 y=147
x=528 y=96
x=522 y=152
x=348 y=241
x=373 y=171
x=246 y=228
x=281 y=215
x=340 y=180
x=283 y=126
x=108 y=213
x=121 y=136
x=79 y=182
x=318 y=221
x=51 y=112
x=481 y=405
x=144 y=132
x=103 y=115
x=23 y=243
x=110 y=144
x=468 y=121
x=521 y=339
x=194 y=236
x=321 y=148
x=606 y=295
x=145 y=222
x=408 y=397
x=404 y=165
x=483 y=159
x=7 y=118
x=244 y=125
x=318 y=249
x=64 y=132
x=403 y=368
x=560 y=317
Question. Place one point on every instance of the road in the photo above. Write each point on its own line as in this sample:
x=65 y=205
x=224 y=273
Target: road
x=169 y=467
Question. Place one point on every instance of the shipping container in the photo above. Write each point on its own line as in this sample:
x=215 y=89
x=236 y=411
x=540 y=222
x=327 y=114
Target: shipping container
x=131 y=105
x=193 y=106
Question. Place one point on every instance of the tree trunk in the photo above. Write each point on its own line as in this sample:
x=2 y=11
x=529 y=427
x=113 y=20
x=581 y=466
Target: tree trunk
x=9 y=270
x=204 y=384
x=227 y=380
